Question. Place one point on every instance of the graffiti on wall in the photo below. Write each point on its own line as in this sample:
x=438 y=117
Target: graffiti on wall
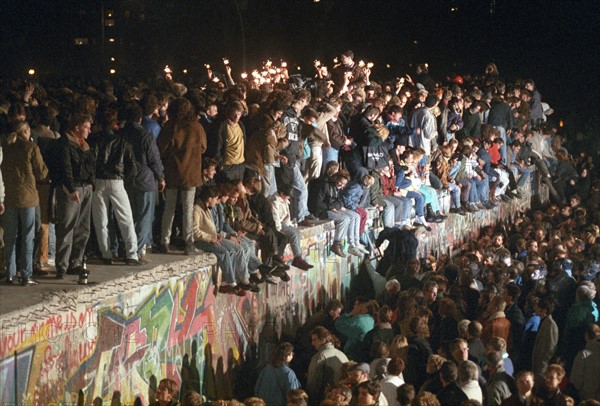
x=177 y=329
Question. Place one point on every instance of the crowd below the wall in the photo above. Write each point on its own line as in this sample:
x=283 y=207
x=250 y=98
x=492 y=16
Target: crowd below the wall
x=226 y=168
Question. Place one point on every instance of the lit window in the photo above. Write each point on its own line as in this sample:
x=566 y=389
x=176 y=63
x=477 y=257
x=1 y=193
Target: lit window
x=81 y=41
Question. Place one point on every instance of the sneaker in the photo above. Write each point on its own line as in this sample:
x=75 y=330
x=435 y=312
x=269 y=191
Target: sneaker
x=27 y=281
x=281 y=274
x=306 y=223
x=469 y=208
x=362 y=249
x=60 y=276
x=190 y=249
x=143 y=260
x=337 y=249
x=232 y=290
x=301 y=264
x=73 y=270
x=107 y=261
x=311 y=217
x=255 y=279
x=249 y=286
x=280 y=263
x=10 y=280
x=421 y=222
x=38 y=271
x=133 y=262
x=352 y=250
x=270 y=279
x=266 y=270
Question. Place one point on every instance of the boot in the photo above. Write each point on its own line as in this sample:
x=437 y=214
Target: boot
x=429 y=216
x=337 y=249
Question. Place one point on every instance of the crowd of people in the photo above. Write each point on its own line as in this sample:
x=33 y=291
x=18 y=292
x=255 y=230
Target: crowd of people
x=226 y=168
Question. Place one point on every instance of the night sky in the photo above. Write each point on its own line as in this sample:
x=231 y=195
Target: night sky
x=555 y=42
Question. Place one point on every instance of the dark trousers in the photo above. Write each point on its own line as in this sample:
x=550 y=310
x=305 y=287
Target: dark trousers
x=72 y=227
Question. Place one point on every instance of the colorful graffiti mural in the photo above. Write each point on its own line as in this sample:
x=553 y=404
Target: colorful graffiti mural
x=175 y=328
x=121 y=340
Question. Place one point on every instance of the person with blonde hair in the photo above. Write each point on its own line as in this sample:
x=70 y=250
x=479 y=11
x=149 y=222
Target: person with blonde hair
x=425 y=399
x=434 y=383
x=550 y=391
x=297 y=397
x=22 y=166
x=167 y=393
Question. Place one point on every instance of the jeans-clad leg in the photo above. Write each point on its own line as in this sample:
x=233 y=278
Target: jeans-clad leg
x=19 y=222
x=293 y=236
x=341 y=224
x=223 y=259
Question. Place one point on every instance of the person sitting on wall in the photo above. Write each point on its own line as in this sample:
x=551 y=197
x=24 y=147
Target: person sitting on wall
x=208 y=239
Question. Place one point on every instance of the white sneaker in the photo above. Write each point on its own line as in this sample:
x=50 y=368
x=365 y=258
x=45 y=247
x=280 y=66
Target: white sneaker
x=352 y=250
x=362 y=249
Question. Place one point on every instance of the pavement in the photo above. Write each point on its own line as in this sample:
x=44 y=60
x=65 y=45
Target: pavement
x=16 y=297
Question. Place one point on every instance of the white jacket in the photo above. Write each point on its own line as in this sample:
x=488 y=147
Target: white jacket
x=281 y=211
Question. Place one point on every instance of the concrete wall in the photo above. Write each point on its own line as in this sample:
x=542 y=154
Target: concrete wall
x=119 y=338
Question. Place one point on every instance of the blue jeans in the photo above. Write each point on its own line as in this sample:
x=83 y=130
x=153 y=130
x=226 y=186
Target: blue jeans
x=329 y=154
x=431 y=197
x=51 y=241
x=347 y=223
x=454 y=195
x=419 y=199
x=142 y=206
x=525 y=174
x=269 y=182
x=112 y=192
x=19 y=221
x=294 y=238
x=480 y=190
x=224 y=259
x=187 y=203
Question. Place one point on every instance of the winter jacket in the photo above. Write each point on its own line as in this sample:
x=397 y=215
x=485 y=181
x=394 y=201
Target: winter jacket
x=22 y=166
x=181 y=148
x=73 y=164
x=149 y=167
